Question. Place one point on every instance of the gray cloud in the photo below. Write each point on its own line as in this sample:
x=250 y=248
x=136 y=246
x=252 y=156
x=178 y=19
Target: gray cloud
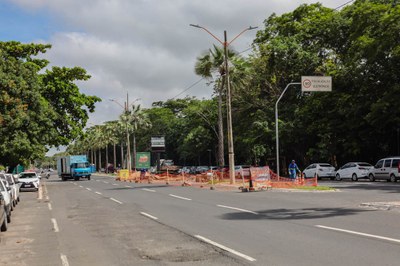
x=146 y=47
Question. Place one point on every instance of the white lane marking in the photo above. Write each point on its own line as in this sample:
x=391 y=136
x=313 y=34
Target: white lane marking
x=81 y=186
x=98 y=193
x=64 y=260
x=97 y=180
x=179 y=197
x=105 y=182
x=49 y=205
x=55 y=225
x=89 y=189
x=148 y=215
x=237 y=209
x=115 y=184
x=128 y=186
x=40 y=193
x=74 y=183
x=149 y=190
x=359 y=233
x=117 y=201
x=237 y=253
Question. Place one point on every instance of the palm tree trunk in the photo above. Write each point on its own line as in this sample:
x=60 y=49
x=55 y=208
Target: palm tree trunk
x=100 y=160
x=134 y=151
x=95 y=159
x=122 y=156
x=115 y=156
x=106 y=159
x=221 y=155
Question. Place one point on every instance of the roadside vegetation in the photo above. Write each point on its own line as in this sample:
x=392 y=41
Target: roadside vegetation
x=358 y=45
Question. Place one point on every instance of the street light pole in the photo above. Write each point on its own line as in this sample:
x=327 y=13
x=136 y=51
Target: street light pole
x=225 y=44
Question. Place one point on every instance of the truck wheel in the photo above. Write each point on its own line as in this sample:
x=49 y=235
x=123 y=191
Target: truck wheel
x=76 y=178
x=88 y=178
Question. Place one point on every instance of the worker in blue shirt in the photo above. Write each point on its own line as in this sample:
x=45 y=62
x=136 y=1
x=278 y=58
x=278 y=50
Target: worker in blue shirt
x=293 y=169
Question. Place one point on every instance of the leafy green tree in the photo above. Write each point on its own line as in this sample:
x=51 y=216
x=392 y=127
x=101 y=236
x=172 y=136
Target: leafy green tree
x=37 y=110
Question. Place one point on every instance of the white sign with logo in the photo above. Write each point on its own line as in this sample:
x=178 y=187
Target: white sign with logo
x=157 y=142
x=316 y=83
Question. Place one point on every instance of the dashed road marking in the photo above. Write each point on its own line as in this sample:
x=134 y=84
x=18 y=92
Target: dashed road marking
x=117 y=201
x=64 y=260
x=98 y=193
x=237 y=209
x=115 y=184
x=148 y=215
x=55 y=225
x=149 y=190
x=81 y=186
x=237 y=253
x=49 y=205
x=179 y=197
x=105 y=182
x=89 y=189
x=128 y=186
x=359 y=233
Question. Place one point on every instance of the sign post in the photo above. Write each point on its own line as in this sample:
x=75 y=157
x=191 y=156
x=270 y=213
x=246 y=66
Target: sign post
x=158 y=146
x=308 y=84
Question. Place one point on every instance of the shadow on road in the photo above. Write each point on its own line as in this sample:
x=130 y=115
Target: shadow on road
x=293 y=214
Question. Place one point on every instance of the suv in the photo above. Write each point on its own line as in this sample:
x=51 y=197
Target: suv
x=386 y=169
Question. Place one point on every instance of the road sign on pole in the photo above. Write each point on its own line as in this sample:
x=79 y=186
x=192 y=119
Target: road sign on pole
x=316 y=83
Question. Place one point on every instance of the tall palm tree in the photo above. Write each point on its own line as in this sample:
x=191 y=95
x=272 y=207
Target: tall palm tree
x=210 y=63
x=136 y=119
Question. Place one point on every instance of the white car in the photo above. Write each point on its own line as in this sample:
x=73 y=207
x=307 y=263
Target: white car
x=5 y=192
x=29 y=180
x=14 y=187
x=321 y=170
x=353 y=170
x=386 y=169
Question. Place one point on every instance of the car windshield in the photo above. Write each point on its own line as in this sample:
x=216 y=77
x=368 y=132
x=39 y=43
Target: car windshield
x=80 y=165
x=365 y=164
x=325 y=165
x=27 y=175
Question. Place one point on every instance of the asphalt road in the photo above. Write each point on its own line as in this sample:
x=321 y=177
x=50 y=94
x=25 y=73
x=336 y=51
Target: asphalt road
x=106 y=222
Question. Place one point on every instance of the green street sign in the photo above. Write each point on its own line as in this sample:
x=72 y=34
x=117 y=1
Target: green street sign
x=143 y=160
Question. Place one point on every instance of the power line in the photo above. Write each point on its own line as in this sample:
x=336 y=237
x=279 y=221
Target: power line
x=188 y=88
x=191 y=86
x=348 y=2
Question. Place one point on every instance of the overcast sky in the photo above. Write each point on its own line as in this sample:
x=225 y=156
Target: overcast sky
x=142 y=47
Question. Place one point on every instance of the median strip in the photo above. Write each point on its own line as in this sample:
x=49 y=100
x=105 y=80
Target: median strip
x=237 y=209
x=179 y=197
x=237 y=253
x=359 y=233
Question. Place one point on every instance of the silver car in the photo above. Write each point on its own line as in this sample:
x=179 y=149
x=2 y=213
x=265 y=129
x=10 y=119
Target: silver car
x=321 y=170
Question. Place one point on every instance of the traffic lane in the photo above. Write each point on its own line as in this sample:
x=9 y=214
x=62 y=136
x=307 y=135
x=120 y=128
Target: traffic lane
x=235 y=228
x=344 y=205
x=119 y=235
x=30 y=238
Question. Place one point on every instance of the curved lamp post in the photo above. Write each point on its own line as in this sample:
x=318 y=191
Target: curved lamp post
x=225 y=44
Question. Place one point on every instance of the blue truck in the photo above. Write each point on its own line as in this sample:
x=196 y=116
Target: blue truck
x=73 y=166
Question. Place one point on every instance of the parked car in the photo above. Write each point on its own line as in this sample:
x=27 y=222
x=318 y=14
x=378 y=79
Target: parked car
x=201 y=169
x=386 y=169
x=5 y=192
x=3 y=215
x=322 y=170
x=14 y=186
x=242 y=171
x=9 y=189
x=29 y=180
x=353 y=170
